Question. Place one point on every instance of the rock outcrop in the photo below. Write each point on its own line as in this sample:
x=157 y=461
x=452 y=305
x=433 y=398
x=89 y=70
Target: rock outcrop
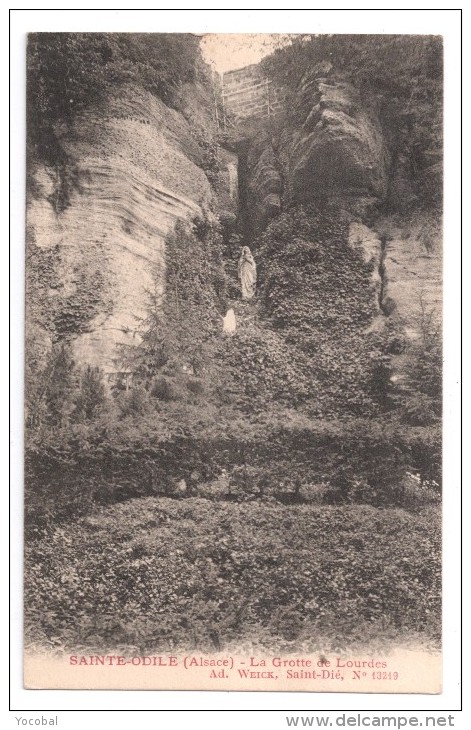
x=338 y=152
x=264 y=186
x=138 y=167
x=412 y=276
x=329 y=147
x=367 y=243
x=135 y=167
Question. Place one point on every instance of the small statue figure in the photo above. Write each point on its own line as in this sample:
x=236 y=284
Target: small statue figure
x=247 y=273
x=229 y=322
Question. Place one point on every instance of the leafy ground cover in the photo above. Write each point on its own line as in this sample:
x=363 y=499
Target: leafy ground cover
x=158 y=573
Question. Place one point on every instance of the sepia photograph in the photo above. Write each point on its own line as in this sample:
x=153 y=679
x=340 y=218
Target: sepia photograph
x=233 y=362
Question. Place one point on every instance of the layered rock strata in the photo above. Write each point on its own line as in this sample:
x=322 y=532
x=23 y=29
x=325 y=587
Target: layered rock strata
x=139 y=166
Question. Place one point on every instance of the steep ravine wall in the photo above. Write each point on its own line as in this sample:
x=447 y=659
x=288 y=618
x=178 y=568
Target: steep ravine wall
x=330 y=148
x=139 y=167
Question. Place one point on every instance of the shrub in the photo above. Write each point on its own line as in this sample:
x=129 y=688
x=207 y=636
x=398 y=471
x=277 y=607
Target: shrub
x=133 y=402
x=419 y=409
x=163 y=389
x=180 y=331
x=91 y=396
x=195 y=386
x=51 y=389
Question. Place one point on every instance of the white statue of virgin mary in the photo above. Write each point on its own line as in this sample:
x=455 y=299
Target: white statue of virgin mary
x=247 y=273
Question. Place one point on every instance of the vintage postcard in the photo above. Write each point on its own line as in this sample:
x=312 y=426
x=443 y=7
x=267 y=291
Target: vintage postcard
x=233 y=362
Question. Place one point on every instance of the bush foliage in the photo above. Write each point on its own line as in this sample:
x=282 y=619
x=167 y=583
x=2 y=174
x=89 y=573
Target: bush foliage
x=162 y=574
x=318 y=294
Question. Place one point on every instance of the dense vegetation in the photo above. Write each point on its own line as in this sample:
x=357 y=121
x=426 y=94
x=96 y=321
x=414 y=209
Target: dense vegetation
x=283 y=407
x=162 y=574
x=318 y=294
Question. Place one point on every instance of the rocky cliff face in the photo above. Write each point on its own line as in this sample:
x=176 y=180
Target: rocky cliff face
x=139 y=166
x=338 y=152
x=136 y=167
x=330 y=147
x=412 y=275
x=406 y=275
x=264 y=182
